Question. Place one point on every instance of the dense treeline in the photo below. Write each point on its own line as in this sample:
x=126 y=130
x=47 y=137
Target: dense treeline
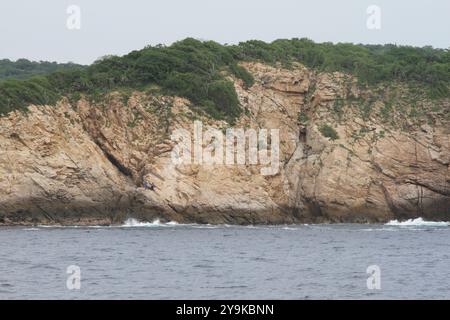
x=370 y=63
x=195 y=70
x=23 y=68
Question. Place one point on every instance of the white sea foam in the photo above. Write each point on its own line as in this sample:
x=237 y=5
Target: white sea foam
x=49 y=226
x=418 y=222
x=289 y=228
x=58 y=226
x=382 y=229
x=156 y=223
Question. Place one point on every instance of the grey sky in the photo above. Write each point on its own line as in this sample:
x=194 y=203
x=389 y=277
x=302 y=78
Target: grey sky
x=37 y=29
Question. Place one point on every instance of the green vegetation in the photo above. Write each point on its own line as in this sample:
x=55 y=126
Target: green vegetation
x=338 y=108
x=243 y=74
x=15 y=94
x=371 y=64
x=303 y=118
x=189 y=68
x=328 y=132
x=197 y=70
x=365 y=108
x=24 y=69
x=386 y=110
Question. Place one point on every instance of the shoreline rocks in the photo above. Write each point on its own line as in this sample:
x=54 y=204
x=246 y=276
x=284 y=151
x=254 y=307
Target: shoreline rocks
x=84 y=163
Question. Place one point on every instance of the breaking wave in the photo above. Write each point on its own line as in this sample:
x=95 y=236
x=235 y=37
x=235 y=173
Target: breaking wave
x=417 y=222
x=156 y=223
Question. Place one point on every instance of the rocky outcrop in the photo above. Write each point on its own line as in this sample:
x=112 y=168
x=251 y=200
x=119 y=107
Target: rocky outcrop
x=84 y=163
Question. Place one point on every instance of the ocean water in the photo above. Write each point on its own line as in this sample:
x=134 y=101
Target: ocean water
x=171 y=261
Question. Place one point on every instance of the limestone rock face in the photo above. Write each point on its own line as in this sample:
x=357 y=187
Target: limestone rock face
x=85 y=163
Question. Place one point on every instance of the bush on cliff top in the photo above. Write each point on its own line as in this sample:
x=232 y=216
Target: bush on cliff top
x=24 y=69
x=194 y=69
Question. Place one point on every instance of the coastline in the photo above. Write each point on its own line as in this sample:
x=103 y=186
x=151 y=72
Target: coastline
x=92 y=216
x=85 y=162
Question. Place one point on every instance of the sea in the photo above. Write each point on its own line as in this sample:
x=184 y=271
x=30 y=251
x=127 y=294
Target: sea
x=153 y=260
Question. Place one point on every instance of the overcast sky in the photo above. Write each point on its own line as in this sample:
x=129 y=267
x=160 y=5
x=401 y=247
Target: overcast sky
x=37 y=30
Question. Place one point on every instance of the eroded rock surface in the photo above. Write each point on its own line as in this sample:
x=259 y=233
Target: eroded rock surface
x=85 y=163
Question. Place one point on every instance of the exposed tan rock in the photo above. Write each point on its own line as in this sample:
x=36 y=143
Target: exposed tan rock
x=85 y=163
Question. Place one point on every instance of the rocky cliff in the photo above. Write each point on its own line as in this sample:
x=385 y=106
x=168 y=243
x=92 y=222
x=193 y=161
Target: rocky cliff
x=347 y=154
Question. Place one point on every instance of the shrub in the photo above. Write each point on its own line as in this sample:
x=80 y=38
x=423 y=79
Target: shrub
x=303 y=118
x=225 y=99
x=193 y=69
x=243 y=74
x=328 y=132
x=15 y=94
x=24 y=69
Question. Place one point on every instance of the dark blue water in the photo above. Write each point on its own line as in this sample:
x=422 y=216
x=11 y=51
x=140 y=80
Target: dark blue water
x=225 y=262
